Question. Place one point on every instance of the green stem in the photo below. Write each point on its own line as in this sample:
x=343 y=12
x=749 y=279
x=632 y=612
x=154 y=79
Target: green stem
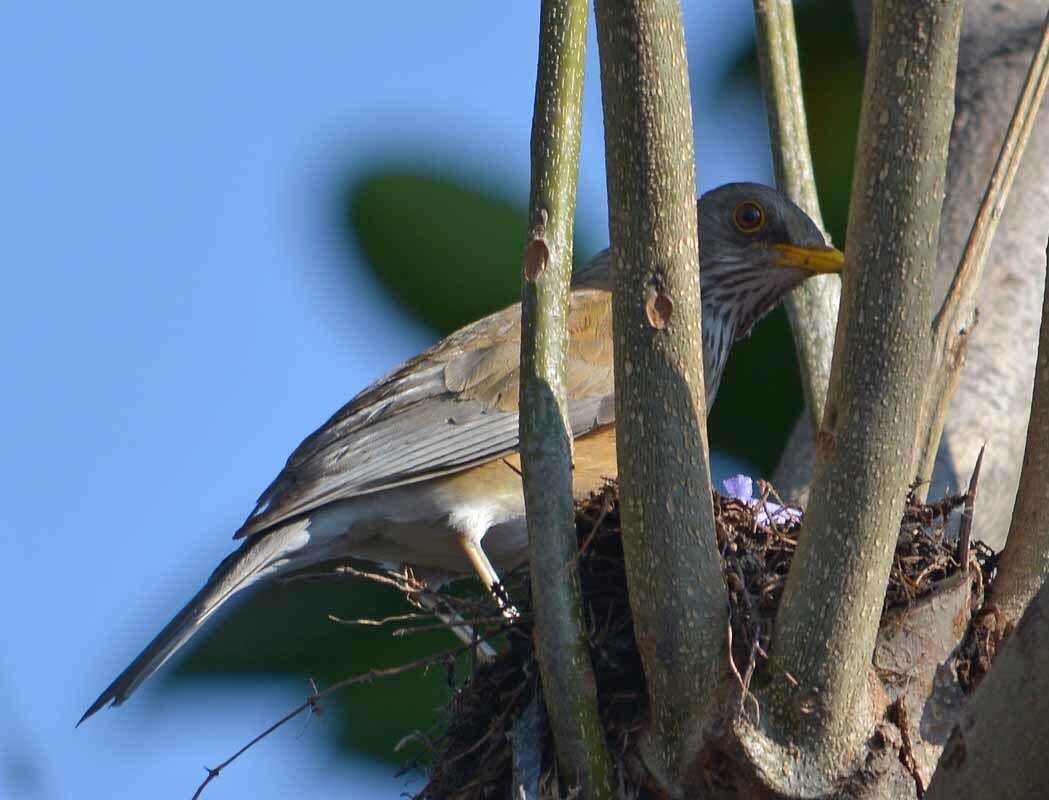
x=813 y=307
x=562 y=647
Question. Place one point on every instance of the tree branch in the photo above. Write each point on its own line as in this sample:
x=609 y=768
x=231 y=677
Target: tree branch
x=957 y=315
x=997 y=748
x=562 y=647
x=828 y=619
x=1025 y=563
x=813 y=307
x=677 y=595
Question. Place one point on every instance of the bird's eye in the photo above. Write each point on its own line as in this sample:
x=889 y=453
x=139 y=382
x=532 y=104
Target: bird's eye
x=749 y=217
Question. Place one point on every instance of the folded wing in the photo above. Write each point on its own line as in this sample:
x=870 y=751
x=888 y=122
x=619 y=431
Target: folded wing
x=452 y=407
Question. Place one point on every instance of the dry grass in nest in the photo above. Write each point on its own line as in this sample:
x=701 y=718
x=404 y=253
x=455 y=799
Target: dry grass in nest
x=474 y=755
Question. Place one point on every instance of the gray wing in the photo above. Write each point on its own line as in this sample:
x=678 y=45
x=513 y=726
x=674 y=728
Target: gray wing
x=452 y=407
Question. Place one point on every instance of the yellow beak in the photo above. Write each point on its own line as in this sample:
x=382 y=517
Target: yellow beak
x=811 y=259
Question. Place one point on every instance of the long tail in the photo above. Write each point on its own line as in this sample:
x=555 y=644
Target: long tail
x=260 y=555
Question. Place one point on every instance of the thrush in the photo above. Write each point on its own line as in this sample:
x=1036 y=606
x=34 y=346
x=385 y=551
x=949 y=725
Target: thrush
x=421 y=468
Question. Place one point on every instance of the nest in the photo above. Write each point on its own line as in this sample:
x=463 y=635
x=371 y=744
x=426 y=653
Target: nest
x=474 y=755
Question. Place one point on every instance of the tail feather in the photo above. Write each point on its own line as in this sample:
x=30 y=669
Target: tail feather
x=260 y=555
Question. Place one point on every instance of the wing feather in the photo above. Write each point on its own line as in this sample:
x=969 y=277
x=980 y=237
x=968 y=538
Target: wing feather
x=452 y=407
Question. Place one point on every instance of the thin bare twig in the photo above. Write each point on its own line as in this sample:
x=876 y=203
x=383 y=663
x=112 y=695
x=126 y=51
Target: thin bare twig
x=957 y=316
x=421 y=596
x=606 y=506
x=312 y=703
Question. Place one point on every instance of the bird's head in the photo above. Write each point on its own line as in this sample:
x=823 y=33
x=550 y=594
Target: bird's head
x=755 y=245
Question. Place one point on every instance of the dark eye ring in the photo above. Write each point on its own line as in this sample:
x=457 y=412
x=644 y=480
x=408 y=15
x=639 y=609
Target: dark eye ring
x=749 y=217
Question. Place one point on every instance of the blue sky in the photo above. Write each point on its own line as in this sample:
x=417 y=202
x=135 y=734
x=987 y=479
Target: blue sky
x=174 y=322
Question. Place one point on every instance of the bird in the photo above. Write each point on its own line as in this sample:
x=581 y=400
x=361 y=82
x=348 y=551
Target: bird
x=422 y=467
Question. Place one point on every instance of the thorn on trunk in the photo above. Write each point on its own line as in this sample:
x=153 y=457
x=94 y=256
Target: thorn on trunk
x=965 y=528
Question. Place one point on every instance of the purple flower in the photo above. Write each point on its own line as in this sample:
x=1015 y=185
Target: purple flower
x=741 y=487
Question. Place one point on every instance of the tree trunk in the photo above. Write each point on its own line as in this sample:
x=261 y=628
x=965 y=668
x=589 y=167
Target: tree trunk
x=1025 y=562
x=828 y=621
x=676 y=593
x=992 y=402
x=998 y=749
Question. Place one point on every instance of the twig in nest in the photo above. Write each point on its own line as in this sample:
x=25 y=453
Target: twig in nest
x=381 y=622
x=503 y=627
x=421 y=738
x=744 y=684
x=897 y=714
x=606 y=506
x=436 y=605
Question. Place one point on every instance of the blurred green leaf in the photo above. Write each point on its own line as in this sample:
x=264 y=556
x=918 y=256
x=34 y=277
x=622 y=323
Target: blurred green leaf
x=760 y=395
x=448 y=252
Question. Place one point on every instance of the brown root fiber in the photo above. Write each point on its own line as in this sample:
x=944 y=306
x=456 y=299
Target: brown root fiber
x=474 y=754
